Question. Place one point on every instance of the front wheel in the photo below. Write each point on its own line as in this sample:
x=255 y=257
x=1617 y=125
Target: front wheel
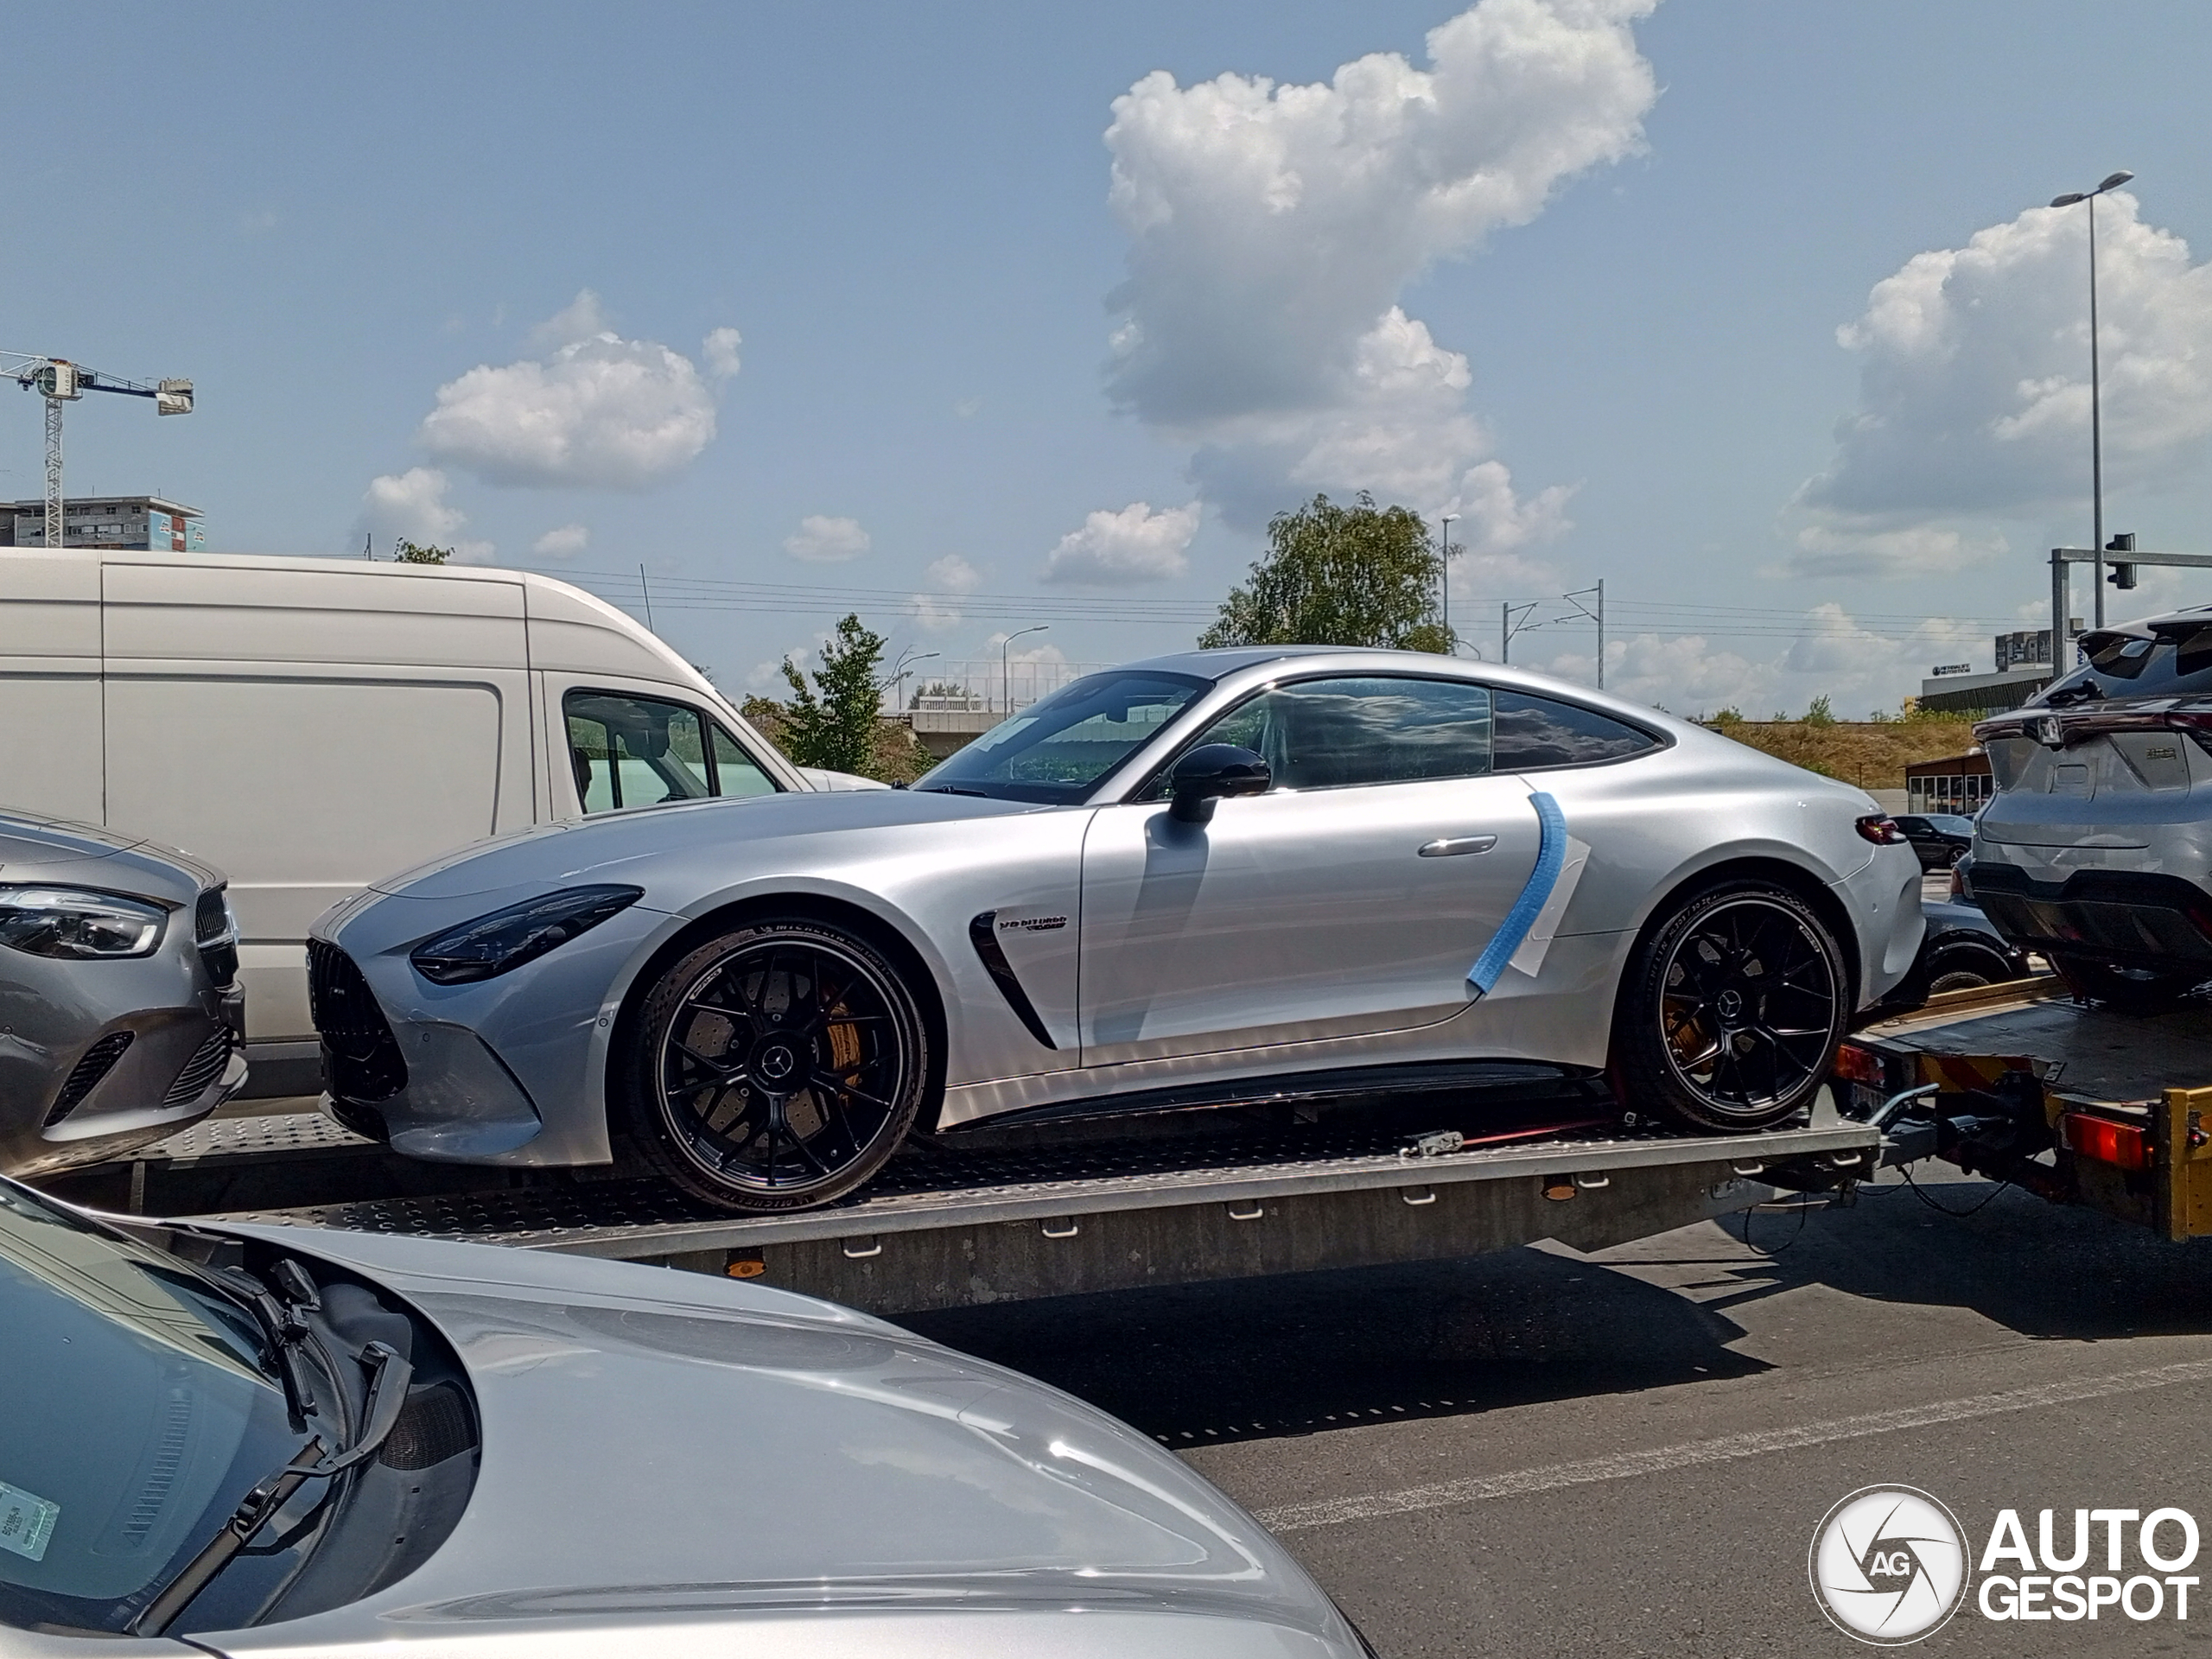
x=775 y=1067
x=2128 y=990
x=1731 y=1010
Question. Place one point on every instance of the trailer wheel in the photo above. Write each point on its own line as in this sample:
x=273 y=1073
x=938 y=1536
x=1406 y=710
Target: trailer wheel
x=2127 y=990
x=775 y=1067
x=1731 y=1010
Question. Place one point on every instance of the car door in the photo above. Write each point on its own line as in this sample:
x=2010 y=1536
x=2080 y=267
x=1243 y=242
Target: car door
x=1353 y=898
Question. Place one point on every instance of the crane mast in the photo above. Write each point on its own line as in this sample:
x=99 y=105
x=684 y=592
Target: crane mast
x=59 y=381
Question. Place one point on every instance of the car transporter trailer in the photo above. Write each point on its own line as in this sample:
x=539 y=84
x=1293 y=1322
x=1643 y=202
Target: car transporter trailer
x=939 y=1227
x=2077 y=1105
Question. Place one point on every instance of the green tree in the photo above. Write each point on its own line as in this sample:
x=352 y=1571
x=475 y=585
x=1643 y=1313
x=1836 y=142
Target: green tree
x=1338 y=576
x=409 y=553
x=831 y=723
x=1820 y=713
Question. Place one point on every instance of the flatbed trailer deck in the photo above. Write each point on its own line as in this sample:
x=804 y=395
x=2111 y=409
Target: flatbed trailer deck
x=2079 y=1103
x=942 y=1228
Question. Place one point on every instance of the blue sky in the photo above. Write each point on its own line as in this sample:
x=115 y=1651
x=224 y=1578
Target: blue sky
x=1641 y=232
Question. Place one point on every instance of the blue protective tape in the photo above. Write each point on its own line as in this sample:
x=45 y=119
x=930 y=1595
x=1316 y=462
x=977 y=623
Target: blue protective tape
x=1551 y=859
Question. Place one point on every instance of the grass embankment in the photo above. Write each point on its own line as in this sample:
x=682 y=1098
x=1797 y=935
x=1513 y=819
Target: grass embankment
x=1872 y=754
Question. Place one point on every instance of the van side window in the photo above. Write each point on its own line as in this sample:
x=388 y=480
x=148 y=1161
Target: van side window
x=633 y=750
x=736 y=773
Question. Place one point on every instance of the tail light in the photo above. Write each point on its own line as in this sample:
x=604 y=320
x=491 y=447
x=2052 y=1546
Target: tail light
x=2125 y=1145
x=1857 y=1064
x=2055 y=730
x=1880 y=828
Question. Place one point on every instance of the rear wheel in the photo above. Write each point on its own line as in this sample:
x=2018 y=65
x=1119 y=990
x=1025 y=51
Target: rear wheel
x=2130 y=990
x=775 y=1067
x=1731 y=1010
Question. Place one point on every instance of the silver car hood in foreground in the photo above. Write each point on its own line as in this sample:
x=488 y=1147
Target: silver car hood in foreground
x=702 y=1465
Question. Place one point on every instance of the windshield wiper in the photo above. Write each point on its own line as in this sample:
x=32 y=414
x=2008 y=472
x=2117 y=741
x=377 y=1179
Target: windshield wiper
x=952 y=789
x=390 y=1373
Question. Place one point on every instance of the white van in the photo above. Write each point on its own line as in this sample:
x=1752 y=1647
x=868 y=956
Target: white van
x=309 y=725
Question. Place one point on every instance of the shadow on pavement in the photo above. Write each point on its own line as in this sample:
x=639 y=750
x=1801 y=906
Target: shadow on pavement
x=2041 y=1270
x=1253 y=1358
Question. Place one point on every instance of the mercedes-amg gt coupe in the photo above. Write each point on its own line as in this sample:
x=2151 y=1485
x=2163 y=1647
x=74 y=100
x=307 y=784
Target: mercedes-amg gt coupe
x=1216 y=876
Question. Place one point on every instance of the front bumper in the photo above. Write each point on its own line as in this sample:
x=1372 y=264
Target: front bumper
x=100 y=1059
x=508 y=1070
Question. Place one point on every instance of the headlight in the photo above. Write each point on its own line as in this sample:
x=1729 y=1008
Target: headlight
x=492 y=945
x=76 y=925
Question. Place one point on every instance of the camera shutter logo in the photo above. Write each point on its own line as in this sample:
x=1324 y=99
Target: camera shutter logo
x=1889 y=1564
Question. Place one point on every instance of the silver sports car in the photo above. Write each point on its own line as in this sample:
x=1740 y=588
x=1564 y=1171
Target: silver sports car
x=272 y=1441
x=120 y=1010
x=1192 y=879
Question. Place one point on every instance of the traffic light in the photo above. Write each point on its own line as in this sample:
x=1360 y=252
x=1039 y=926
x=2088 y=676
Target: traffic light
x=2122 y=575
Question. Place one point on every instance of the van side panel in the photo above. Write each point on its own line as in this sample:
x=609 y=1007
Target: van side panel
x=311 y=731
x=224 y=614
x=50 y=685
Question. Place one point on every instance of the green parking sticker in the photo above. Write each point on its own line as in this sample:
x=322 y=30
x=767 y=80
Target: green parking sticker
x=26 y=1521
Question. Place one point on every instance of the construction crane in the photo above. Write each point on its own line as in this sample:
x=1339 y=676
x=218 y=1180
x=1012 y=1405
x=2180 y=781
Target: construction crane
x=59 y=381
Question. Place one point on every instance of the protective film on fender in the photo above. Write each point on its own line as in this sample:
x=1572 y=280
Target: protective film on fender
x=1551 y=860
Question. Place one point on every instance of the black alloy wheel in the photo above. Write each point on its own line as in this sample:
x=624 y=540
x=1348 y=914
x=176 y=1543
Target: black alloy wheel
x=776 y=1067
x=1731 y=1010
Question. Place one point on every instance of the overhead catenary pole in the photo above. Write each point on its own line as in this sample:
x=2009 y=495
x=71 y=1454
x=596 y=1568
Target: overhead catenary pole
x=1449 y=644
x=646 y=588
x=1597 y=614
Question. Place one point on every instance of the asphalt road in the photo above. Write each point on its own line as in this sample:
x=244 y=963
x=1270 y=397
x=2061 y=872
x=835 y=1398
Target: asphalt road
x=1538 y=1453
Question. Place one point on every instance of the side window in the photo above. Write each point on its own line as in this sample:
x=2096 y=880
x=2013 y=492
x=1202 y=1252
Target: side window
x=1534 y=732
x=736 y=773
x=1335 y=733
x=632 y=751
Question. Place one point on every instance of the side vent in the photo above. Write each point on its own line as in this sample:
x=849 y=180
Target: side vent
x=85 y=1076
x=984 y=934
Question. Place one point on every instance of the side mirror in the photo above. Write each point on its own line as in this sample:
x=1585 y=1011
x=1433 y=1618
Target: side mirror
x=1211 y=771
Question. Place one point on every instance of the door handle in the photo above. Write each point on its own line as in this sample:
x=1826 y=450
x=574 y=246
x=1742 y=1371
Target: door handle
x=1451 y=846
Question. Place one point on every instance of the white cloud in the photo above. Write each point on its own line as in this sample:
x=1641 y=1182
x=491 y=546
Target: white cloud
x=563 y=542
x=719 y=349
x=1273 y=228
x=580 y=318
x=933 y=613
x=1973 y=398
x=597 y=410
x=952 y=574
x=412 y=506
x=1115 y=550
x=823 y=540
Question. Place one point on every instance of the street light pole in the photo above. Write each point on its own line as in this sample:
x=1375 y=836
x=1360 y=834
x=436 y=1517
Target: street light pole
x=2096 y=418
x=1449 y=644
x=1005 y=669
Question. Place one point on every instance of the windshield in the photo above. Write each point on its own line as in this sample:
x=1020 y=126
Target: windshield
x=1058 y=750
x=134 y=1414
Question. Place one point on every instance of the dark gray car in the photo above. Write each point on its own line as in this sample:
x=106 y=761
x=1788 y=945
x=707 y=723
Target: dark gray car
x=119 y=1006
